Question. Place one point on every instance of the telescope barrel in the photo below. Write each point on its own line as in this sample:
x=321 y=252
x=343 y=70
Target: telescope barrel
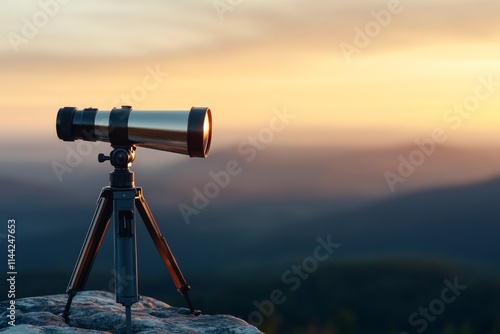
x=180 y=131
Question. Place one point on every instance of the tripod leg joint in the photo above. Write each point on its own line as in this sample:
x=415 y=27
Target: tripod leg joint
x=184 y=289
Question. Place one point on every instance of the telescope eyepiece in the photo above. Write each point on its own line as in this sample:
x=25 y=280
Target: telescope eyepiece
x=64 y=123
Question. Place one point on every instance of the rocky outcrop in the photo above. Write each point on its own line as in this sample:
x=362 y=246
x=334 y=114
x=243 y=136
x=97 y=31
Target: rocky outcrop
x=97 y=312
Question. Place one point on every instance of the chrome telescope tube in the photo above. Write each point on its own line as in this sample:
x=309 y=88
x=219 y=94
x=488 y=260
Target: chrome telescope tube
x=180 y=131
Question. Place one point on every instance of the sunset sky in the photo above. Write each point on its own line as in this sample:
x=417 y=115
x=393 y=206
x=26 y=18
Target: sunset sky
x=412 y=63
x=341 y=93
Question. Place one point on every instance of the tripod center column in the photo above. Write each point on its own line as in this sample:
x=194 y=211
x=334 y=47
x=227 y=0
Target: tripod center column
x=126 y=282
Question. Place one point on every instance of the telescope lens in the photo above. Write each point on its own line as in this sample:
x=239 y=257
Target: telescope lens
x=199 y=132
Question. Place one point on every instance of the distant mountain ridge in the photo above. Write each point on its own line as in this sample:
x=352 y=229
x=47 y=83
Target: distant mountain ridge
x=272 y=211
x=459 y=223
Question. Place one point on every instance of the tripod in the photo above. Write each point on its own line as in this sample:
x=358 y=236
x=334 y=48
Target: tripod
x=117 y=202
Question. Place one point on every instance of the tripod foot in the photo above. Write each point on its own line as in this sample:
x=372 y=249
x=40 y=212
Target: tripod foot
x=184 y=291
x=66 y=313
x=128 y=319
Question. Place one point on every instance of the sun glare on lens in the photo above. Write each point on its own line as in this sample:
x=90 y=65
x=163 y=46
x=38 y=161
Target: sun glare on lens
x=206 y=133
x=206 y=126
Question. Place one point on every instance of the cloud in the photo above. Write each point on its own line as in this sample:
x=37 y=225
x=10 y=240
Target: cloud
x=118 y=29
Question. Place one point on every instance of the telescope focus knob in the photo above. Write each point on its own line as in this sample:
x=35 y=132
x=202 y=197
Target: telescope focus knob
x=102 y=157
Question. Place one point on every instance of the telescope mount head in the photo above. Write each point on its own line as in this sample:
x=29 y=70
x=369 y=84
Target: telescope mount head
x=121 y=159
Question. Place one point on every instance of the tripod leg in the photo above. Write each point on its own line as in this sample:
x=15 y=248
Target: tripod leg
x=90 y=247
x=163 y=249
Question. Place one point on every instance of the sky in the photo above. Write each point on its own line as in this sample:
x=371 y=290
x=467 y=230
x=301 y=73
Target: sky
x=336 y=73
x=350 y=72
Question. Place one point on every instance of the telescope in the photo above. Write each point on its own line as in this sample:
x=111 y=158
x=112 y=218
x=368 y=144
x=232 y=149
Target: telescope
x=180 y=131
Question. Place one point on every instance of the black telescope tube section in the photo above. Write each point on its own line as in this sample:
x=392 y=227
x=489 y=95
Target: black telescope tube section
x=83 y=124
x=118 y=126
x=73 y=124
x=64 y=123
x=198 y=142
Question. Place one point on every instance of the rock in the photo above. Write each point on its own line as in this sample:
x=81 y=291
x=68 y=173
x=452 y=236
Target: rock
x=97 y=312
